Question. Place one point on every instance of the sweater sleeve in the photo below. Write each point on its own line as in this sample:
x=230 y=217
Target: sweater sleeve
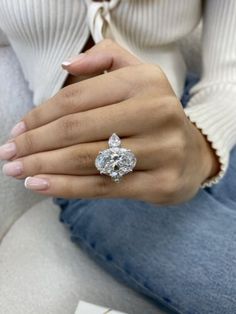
x=212 y=107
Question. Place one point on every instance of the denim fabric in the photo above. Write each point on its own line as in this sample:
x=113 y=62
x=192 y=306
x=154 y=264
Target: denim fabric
x=183 y=257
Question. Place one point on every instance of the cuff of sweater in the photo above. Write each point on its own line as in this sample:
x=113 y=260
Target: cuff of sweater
x=213 y=128
x=212 y=109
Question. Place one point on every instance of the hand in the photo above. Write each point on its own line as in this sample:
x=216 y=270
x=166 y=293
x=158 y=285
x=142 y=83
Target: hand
x=63 y=136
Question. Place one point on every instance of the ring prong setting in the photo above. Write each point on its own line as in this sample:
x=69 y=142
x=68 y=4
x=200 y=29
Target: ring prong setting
x=115 y=161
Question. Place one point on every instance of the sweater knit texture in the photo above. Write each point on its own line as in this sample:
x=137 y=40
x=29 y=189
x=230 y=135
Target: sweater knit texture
x=44 y=33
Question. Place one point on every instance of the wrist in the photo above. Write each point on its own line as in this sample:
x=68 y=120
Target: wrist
x=214 y=163
x=211 y=163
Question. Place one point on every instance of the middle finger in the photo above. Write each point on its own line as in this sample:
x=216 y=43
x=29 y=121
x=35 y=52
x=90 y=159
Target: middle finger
x=124 y=119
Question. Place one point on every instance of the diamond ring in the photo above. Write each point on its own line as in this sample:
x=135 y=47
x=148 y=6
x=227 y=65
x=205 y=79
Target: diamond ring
x=115 y=161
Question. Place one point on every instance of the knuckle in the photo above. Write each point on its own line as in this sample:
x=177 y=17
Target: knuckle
x=167 y=190
x=32 y=119
x=181 y=144
x=171 y=114
x=172 y=111
x=69 y=127
x=172 y=185
x=73 y=98
x=179 y=157
x=26 y=144
x=69 y=96
x=172 y=188
x=152 y=72
x=131 y=76
x=161 y=110
x=108 y=42
x=69 y=189
x=83 y=160
x=35 y=165
x=148 y=77
x=68 y=92
x=178 y=117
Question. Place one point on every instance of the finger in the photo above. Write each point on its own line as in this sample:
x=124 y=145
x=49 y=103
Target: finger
x=95 y=92
x=98 y=186
x=76 y=160
x=105 y=56
x=99 y=124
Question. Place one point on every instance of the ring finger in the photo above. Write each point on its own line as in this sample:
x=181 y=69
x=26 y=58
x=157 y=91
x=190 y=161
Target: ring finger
x=75 y=160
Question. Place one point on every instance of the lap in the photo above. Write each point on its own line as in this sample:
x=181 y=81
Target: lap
x=183 y=256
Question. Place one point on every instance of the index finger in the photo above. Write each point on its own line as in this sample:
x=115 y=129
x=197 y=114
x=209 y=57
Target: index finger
x=95 y=92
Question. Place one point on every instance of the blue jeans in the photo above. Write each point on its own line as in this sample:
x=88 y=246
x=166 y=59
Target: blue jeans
x=182 y=256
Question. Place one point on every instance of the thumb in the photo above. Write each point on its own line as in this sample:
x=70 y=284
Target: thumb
x=105 y=56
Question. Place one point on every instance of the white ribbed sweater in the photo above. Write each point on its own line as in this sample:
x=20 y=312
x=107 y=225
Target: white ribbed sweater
x=44 y=33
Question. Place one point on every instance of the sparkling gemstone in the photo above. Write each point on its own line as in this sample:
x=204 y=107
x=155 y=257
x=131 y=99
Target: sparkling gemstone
x=115 y=162
x=114 y=141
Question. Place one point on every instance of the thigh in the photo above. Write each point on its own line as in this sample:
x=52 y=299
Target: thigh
x=181 y=256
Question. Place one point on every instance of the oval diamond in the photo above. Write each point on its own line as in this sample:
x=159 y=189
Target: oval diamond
x=115 y=162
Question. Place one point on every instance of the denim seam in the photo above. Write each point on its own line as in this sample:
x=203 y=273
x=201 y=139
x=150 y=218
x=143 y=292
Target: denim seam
x=101 y=256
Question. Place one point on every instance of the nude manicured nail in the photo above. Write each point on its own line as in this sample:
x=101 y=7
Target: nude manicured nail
x=36 y=184
x=66 y=63
x=7 y=151
x=13 y=169
x=18 y=129
x=71 y=60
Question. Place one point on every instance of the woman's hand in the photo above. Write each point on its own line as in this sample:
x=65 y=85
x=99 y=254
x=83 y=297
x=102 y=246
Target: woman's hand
x=63 y=136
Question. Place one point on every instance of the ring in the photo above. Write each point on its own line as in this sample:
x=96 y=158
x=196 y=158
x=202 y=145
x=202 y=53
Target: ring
x=115 y=161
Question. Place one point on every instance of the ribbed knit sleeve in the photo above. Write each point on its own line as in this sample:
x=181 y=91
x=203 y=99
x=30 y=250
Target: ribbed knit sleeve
x=213 y=104
x=43 y=34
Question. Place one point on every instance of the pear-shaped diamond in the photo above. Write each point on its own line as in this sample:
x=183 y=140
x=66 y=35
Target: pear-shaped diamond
x=114 y=141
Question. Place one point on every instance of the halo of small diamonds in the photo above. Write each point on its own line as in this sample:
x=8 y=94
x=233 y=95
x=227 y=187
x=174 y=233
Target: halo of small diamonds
x=115 y=161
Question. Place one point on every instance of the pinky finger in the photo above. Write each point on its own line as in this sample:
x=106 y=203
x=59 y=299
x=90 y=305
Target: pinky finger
x=96 y=186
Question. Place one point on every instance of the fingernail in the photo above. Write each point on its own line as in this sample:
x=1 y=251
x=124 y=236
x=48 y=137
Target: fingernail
x=7 y=151
x=13 y=169
x=68 y=62
x=36 y=184
x=18 y=129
